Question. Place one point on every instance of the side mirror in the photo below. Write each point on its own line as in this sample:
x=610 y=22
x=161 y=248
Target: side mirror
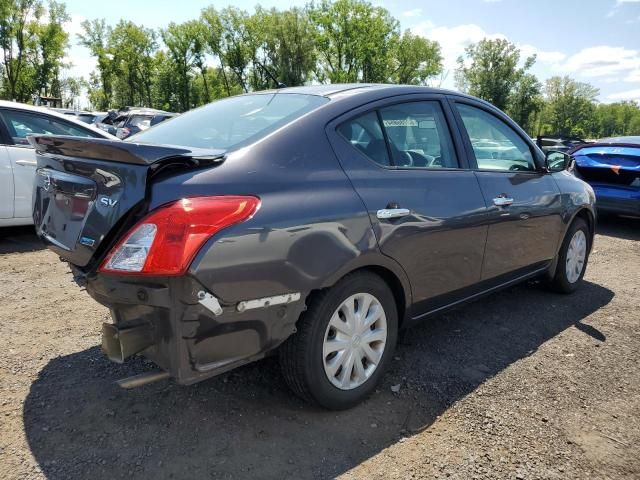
x=557 y=161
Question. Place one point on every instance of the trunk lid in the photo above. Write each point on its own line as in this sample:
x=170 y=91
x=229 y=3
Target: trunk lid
x=85 y=189
x=614 y=164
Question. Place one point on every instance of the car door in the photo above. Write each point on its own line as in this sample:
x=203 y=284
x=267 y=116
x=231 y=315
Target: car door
x=19 y=124
x=6 y=177
x=523 y=200
x=427 y=210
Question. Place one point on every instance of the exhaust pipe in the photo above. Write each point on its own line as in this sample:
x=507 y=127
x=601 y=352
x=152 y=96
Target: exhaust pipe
x=142 y=379
x=120 y=343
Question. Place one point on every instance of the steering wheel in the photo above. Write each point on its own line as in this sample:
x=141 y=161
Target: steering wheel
x=406 y=156
x=421 y=159
x=517 y=168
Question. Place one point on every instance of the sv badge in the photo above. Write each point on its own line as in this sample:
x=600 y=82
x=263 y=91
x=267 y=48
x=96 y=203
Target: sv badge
x=108 y=202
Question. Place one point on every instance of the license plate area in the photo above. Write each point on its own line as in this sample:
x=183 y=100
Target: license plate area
x=62 y=203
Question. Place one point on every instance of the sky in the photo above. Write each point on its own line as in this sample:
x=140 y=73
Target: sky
x=595 y=41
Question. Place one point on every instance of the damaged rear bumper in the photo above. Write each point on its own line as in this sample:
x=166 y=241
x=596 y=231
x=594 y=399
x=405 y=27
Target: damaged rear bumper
x=186 y=330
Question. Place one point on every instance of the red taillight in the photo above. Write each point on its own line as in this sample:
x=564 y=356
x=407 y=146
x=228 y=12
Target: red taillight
x=166 y=240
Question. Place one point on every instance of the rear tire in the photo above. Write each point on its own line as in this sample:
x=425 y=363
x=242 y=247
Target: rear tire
x=572 y=258
x=342 y=378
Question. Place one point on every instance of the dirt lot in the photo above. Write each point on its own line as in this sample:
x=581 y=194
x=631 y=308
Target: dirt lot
x=525 y=384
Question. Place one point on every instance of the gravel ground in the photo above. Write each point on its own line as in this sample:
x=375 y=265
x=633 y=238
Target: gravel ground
x=524 y=384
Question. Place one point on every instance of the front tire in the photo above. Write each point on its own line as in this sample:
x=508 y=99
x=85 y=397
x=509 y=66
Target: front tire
x=572 y=258
x=344 y=342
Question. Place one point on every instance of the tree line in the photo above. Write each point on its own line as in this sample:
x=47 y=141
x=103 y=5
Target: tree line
x=33 y=45
x=493 y=70
x=229 y=51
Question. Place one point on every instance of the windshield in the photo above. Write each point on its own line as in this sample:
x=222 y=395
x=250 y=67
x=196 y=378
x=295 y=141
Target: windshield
x=231 y=123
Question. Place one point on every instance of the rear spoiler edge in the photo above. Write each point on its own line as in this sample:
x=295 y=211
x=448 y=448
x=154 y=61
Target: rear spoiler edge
x=118 y=151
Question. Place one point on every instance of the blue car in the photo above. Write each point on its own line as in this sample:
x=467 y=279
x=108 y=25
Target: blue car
x=612 y=167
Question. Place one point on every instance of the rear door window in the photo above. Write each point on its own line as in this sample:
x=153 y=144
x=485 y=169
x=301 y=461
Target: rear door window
x=365 y=134
x=406 y=135
x=418 y=135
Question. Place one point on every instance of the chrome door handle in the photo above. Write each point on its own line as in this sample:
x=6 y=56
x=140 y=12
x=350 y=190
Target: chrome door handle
x=502 y=201
x=386 y=213
x=26 y=163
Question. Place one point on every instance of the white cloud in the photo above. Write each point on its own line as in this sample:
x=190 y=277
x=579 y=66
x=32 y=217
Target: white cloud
x=453 y=40
x=634 y=76
x=74 y=26
x=79 y=58
x=601 y=61
x=618 y=5
x=416 y=12
x=542 y=56
x=626 y=95
x=82 y=63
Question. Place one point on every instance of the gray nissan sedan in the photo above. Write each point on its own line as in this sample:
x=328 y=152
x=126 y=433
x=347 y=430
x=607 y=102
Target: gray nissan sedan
x=311 y=222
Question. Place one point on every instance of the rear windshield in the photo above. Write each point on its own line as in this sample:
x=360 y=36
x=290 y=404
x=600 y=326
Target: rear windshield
x=231 y=123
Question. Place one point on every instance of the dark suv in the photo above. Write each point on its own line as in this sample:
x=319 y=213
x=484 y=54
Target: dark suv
x=311 y=222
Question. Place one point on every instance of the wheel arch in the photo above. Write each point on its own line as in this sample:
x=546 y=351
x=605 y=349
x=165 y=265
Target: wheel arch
x=589 y=217
x=392 y=274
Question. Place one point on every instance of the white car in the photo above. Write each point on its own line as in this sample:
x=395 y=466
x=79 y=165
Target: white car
x=18 y=159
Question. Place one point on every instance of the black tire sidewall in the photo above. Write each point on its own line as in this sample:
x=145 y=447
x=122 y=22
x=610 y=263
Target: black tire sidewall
x=323 y=391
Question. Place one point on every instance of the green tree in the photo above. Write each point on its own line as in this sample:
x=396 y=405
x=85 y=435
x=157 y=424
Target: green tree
x=132 y=48
x=415 y=60
x=526 y=101
x=617 y=119
x=213 y=32
x=51 y=43
x=286 y=47
x=238 y=48
x=570 y=107
x=355 y=41
x=186 y=49
x=16 y=42
x=164 y=86
x=70 y=89
x=490 y=71
x=95 y=38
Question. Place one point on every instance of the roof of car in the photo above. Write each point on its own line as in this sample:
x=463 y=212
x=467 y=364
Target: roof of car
x=336 y=89
x=628 y=140
x=145 y=111
x=69 y=118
